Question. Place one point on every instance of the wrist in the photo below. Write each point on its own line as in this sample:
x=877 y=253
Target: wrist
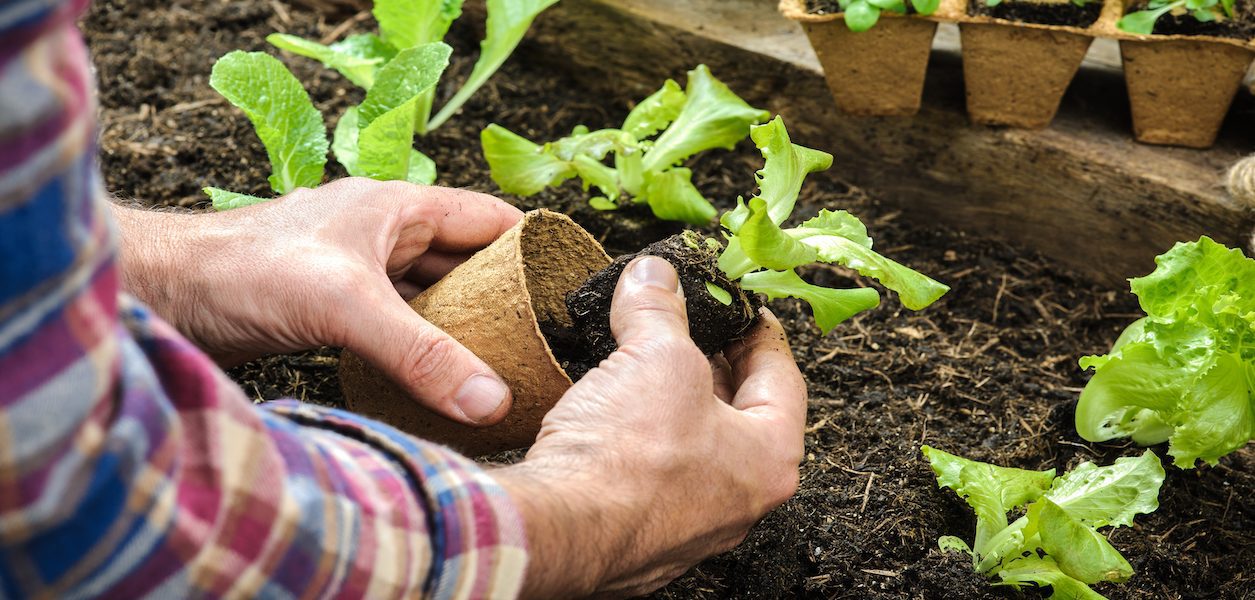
x=577 y=525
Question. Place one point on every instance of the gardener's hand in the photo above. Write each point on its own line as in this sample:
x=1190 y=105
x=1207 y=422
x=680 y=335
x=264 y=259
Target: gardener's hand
x=641 y=470
x=328 y=266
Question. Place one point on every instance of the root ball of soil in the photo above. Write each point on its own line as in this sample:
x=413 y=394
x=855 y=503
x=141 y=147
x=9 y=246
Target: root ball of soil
x=712 y=324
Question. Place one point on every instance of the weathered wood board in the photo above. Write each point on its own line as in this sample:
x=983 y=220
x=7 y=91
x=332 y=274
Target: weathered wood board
x=1082 y=191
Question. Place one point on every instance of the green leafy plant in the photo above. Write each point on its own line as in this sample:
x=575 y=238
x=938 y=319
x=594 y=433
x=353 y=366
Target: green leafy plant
x=992 y=3
x=762 y=256
x=1184 y=373
x=399 y=69
x=664 y=130
x=1056 y=542
x=1204 y=11
x=861 y=15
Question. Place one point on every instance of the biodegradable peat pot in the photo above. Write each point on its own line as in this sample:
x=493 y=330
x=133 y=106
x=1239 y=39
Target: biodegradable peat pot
x=1017 y=75
x=1180 y=90
x=493 y=304
x=879 y=72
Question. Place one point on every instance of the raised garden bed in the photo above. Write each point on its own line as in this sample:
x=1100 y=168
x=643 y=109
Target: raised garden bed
x=1019 y=57
x=988 y=372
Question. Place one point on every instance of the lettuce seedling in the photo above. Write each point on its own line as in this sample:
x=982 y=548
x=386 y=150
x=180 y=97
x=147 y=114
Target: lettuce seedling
x=861 y=15
x=399 y=70
x=407 y=24
x=1204 y=11
x=703 y=116
x=762 y=256
x=1056 y=542
x=1184 y=373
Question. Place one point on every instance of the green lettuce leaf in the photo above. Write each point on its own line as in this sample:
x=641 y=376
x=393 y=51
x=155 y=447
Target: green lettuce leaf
x=357 y=57
x=1043 y=571
x=830 y=306
x=712 y=117
x=990 y=490
x=282 y=114
x=672 y=197
x=225 y=200
x=508 y=21
x=785 y=167
x=827 y=234
x=1080 y=552
x=520 y=166
x=414 y=71
x=1110 y=495
x=767 y=245
x=406 y=23
x=655 y=113
x=1182 y=373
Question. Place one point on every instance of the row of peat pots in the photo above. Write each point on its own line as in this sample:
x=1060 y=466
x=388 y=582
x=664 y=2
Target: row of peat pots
x=1020 y=55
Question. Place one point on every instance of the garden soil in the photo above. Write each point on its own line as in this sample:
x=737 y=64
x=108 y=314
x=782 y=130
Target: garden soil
x=988 y=372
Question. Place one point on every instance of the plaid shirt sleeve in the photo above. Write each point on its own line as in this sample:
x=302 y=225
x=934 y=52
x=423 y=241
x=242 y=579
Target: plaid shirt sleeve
x=130 y=466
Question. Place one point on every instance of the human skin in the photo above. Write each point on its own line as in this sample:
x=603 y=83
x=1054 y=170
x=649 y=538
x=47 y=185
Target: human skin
x=656 y=459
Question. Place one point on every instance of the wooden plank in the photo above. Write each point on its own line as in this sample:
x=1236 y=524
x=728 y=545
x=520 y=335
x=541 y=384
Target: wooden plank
x=1082 y=192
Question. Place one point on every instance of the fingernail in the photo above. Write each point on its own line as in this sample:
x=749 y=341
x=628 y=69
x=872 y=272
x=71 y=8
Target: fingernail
x=480 y=397
x=653 y=271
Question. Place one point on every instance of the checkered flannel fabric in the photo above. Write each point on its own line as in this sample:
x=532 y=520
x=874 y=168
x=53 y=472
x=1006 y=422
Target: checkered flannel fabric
x=130 y=466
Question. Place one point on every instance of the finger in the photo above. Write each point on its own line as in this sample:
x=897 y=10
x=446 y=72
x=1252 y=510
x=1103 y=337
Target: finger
x=768 y=380
x=460 y=220
x=429 y=365
x=721 y=372
x=647 y=304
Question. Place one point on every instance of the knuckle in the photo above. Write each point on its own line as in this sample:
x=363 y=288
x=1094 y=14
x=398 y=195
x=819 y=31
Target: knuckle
x=429 y=361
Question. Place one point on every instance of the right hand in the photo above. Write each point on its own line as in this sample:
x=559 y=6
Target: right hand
x=656 y=460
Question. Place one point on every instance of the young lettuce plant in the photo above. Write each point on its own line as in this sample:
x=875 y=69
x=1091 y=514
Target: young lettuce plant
x=399 y=70
x=1184 y=373
x=703 y=116
x=1056 y=542
x=861 y=15
x=407 y=24
x=1204 y=11
x=374 y=139
x=762 y=256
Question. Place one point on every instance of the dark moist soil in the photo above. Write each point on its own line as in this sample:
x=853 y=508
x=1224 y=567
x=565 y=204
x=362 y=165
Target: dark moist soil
x=1064 y=14
x=712 y=324
x=988 y=372
x=1241 y=26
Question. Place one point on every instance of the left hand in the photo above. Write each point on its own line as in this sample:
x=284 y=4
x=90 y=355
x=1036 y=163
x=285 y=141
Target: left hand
x=327 y=266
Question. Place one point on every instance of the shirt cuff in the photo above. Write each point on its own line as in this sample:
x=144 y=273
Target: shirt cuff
x=478 y=540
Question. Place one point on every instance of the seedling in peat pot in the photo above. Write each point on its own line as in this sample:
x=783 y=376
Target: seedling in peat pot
x=399 y=70
x=760 y=257
x=861 y=15
x=1056 y=542
x=685 y=122
x=1204 y=11
x=1184 y=373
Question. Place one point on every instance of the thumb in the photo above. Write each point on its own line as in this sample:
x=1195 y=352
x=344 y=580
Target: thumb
x=648 y=304
x=428 y=364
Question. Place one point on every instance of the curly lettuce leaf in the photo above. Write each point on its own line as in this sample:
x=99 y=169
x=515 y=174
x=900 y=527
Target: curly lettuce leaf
x=712 y=117
x=672 y=197
x=508 y=21
x=836 y=239
x=768 y=246
x=990 y=490
x=785 y=167
x=281 y=112
x=655 y=113
x=830 y=306
x=1110 y=495
x=1182 y=373
x=356 y=57
x=520 y=166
